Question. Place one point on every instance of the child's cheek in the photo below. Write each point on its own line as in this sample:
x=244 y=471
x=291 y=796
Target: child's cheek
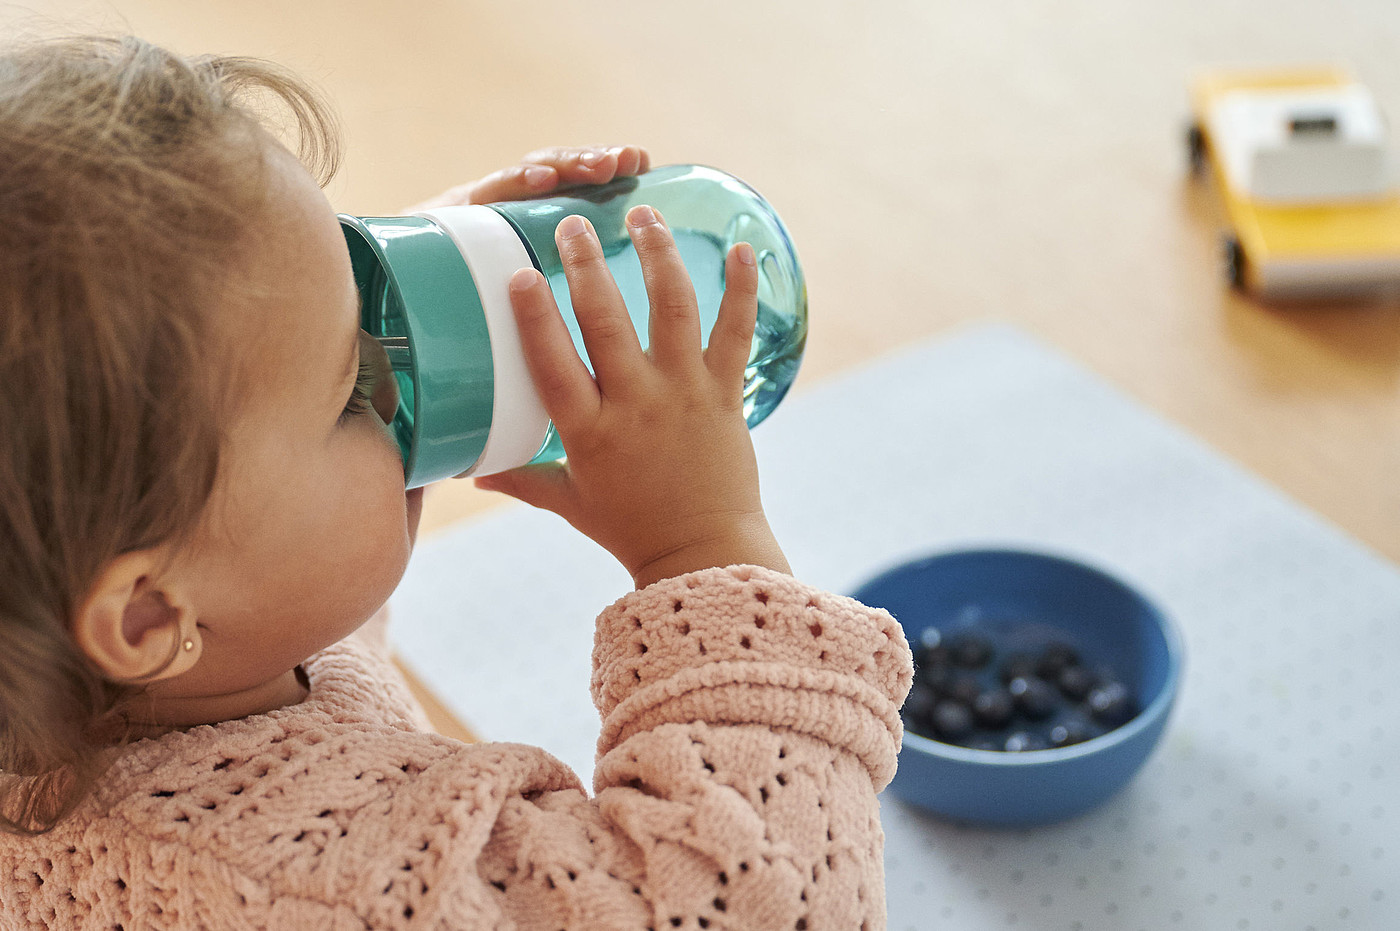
x=383 y=474
x=385 y=435
x=415 y=513
x=374 y=450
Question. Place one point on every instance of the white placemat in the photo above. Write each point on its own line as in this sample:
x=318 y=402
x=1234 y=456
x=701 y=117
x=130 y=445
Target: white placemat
x=1272 y=803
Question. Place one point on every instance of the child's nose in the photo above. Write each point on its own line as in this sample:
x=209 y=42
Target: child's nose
x=386 y=396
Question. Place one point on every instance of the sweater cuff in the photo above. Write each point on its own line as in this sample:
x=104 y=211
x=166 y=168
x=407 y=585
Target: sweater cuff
x=762 y=647
x=837 y=709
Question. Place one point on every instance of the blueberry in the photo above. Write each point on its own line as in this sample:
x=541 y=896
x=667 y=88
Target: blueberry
x=961 y=687
x=970 y=650
x=1055 y=659
x=993 y=709
x=931 y=660
x=918 y=707
x=1112 y=704
x=1017 y=666
x=983 y=742
x=952 y=722
x=930 y=652
x=935 y=679
x=1076 y=682
x=1021 y=741
x=1034 y=699
x=1070 y=732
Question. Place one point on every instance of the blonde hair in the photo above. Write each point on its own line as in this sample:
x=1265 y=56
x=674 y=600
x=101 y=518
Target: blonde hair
x=127 y=174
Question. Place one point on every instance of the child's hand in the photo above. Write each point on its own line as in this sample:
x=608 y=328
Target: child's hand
x=542 y=171
x=660 y=470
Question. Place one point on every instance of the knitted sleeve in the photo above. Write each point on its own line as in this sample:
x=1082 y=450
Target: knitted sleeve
x=748 y=721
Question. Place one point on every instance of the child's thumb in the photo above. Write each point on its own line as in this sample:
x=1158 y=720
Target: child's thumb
x=543 y=486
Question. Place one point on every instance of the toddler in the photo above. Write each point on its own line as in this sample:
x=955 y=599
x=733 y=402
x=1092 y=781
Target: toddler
x=202 y=514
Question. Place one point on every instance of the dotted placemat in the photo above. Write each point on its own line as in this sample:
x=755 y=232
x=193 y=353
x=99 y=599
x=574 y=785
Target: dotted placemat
x=1271 y=802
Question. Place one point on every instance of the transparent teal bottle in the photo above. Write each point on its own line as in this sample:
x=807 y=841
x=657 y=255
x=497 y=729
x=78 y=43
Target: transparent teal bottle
x=434 y=291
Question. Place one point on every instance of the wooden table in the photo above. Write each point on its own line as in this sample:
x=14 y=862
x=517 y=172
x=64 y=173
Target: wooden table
x=937 y=162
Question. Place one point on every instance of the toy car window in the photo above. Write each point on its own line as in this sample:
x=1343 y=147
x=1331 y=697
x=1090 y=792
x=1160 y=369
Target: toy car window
x=1313 y=125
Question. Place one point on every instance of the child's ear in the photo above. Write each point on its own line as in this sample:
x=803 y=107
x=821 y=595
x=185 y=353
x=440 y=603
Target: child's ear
x=134 y=627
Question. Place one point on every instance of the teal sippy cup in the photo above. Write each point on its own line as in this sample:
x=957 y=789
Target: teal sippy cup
x=434 y=290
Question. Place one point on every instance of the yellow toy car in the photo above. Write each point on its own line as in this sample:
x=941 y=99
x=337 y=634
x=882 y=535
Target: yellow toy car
x=1301 y=163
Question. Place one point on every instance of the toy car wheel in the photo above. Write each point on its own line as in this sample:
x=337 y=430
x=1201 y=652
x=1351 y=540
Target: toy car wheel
x=1196 y=148
x=1234 y=262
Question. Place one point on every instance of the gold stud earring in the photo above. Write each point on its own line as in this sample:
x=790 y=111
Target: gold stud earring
x=189 y=645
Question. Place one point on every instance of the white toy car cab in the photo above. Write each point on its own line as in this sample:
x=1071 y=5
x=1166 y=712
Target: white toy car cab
x=1302 y=163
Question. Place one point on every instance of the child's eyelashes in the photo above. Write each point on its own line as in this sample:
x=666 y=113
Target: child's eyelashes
x=376 y=388
x=361 y=400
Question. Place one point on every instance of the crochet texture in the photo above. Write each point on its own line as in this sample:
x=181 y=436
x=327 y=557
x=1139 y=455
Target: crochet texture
x=747 y=722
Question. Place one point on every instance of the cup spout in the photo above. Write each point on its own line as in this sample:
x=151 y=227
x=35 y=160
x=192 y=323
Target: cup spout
x=396 y=348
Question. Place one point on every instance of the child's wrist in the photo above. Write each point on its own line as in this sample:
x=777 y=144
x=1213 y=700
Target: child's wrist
x=752 y=545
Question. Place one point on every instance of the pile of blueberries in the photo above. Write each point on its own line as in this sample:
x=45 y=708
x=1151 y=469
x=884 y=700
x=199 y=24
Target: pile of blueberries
x=965 y=694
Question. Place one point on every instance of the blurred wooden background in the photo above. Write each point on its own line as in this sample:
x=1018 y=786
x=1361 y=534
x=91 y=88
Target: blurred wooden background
x=937 y=162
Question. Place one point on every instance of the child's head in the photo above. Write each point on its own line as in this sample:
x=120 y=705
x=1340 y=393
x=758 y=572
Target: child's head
x=197 y=490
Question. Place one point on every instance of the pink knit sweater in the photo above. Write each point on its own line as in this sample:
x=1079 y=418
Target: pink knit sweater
x=747 y=722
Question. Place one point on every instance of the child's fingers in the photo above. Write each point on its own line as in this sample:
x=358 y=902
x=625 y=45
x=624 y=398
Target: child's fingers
x=590 y=164
x=514 y=183
x=608 y=334
x=674 y=329
x=565 y=387
x=731 y=339
x=547 y=486
x=542 y=171
x=632 y=160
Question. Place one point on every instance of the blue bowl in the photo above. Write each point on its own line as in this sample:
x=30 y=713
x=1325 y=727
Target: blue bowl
x=1026 y=600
